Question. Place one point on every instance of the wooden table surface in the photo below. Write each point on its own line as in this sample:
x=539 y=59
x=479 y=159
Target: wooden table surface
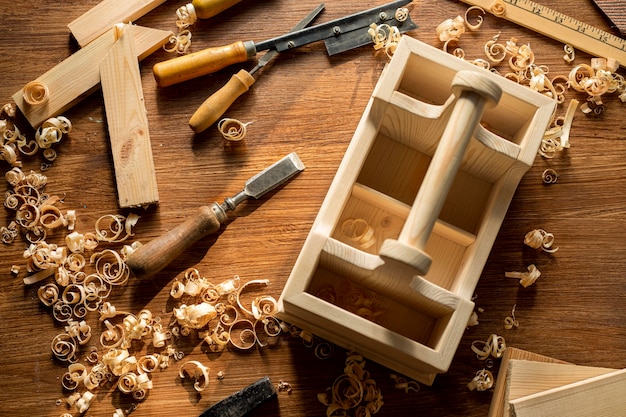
x=309 y=103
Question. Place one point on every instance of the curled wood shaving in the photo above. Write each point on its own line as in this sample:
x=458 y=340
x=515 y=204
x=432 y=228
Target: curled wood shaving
x=483 y=380
x=198 y=372
x=385 y=37
x=35 y=93
x=232 y=129
x=549 y=176
x=186 y=16
x=493 y=346
x=539 y=238
x=402 y=383
x=451 y=29
x=498 y=8
x=525 y=278
x=359 y=232
x=179 y=43
x=479 y=18
x=511 y=321
x=284 y=387
x=570 y=53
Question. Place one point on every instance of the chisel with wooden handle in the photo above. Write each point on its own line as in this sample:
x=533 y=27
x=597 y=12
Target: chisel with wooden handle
x=217 y=103
x=155 y=255
x=339 y=35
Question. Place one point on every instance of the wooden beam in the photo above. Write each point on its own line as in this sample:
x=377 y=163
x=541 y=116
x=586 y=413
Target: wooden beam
x=600 y=396
x=499 y=404
x=78 y=75
x=529 y=377
x=107 y=13
x=128 y=123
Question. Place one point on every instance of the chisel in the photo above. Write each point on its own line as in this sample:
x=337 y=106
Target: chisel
x=215 y=106
x=242 y=402
x=155 y=255
x=204 y=9
x=339 y=35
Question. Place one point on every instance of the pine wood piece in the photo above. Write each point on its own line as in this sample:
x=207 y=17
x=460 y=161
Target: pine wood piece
x=529 y=377
x=421 y=317
x=128 y=123
x=79 y=75
x=499 y=402
x=600 y=396
x=100 y=18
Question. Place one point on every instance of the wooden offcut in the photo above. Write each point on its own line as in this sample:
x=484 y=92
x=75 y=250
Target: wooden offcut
x=128 y=123
x=600 y=396
x=499 y=404
x=107 y=13
x=78 y=75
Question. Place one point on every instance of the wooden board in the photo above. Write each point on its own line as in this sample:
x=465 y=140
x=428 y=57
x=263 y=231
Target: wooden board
x=615 y=10
x=107 y=13
x=601 y=396
x=78 y=75
x=498 y=402
x=128 y=123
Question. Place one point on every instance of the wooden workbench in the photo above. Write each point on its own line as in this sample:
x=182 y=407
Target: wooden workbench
x=309 y=103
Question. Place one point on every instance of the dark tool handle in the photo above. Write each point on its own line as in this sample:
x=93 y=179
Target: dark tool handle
x=200 y=63
x=155 y=255
x=216 y=105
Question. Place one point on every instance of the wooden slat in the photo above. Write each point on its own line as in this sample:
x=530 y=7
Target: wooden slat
x=107 y=13
x=498 y=401
x=128 y=123
x=78 y=75
x=601 y=396
x=530 y=377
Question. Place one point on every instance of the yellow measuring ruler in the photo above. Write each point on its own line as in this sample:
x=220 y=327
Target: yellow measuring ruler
x=560 y=27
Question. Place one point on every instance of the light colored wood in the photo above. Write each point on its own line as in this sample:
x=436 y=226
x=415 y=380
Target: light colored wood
x=499 y=401
x=529 y=377
x=78 y=75
x=128 y=123
x=414 y=128
x=101 y=18
x=560 y=27
x=600 y=396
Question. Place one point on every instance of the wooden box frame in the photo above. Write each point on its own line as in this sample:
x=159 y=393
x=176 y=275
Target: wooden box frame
x=407 y=322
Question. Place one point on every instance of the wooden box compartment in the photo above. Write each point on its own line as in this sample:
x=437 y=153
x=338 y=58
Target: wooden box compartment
x=345 y=286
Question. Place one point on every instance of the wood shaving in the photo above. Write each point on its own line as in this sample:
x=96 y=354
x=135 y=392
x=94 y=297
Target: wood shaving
x=232 y=129
x=511 y=321
x=483 y=380
x=540 y=239
x=494 y=346
x=549 y=176
x=526 y=279
x=405 y=385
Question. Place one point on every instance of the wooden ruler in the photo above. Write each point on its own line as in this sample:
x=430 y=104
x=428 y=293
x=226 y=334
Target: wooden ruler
x=560 y=27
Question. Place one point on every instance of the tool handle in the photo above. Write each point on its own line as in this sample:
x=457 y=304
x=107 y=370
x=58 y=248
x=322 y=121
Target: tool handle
x=209 y=8
x=217 y=103
x=155 y=255
x=206 y=61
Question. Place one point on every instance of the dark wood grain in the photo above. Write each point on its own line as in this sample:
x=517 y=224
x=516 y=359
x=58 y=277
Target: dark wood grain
x=615 y=10
x=310 y=103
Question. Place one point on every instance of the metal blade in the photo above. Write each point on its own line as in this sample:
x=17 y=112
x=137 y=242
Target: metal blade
x=273 y=176
x=301 y=25
x=338 y=29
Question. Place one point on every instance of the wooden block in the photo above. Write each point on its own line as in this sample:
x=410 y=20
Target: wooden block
x=600 y=396
x=107 y=13
x=128 y=123
x=529 y=377
x=79 y=74
x=498 y=401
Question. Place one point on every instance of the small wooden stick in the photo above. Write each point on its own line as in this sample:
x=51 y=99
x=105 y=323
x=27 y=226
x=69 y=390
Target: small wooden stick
x=474 y=91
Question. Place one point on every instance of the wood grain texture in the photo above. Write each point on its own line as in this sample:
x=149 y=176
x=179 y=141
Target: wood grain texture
x=615 y=10
x=309 y=103
x=127 y=123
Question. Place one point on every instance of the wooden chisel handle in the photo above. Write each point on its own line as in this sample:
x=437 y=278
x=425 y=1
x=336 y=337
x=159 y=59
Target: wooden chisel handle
x=200 y=63
x=155 y=255
x=216 y=105
x=209 y=8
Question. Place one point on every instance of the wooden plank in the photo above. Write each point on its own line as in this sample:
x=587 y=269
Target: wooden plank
x=128 y=123
x=601 y=396
x=615 y=11
x=498 y=401
x=107 y=13
x=530 y=377
x=78 y=75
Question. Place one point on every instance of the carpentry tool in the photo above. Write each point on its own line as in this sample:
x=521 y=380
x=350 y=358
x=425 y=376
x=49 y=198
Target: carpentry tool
x=215 y=106
x=205 y=9
x=339 y=35
x=242 y=402
x=560 y=27
x=152 y=257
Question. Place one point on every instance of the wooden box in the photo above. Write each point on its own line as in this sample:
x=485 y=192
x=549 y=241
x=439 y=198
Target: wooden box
x=369 y=276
